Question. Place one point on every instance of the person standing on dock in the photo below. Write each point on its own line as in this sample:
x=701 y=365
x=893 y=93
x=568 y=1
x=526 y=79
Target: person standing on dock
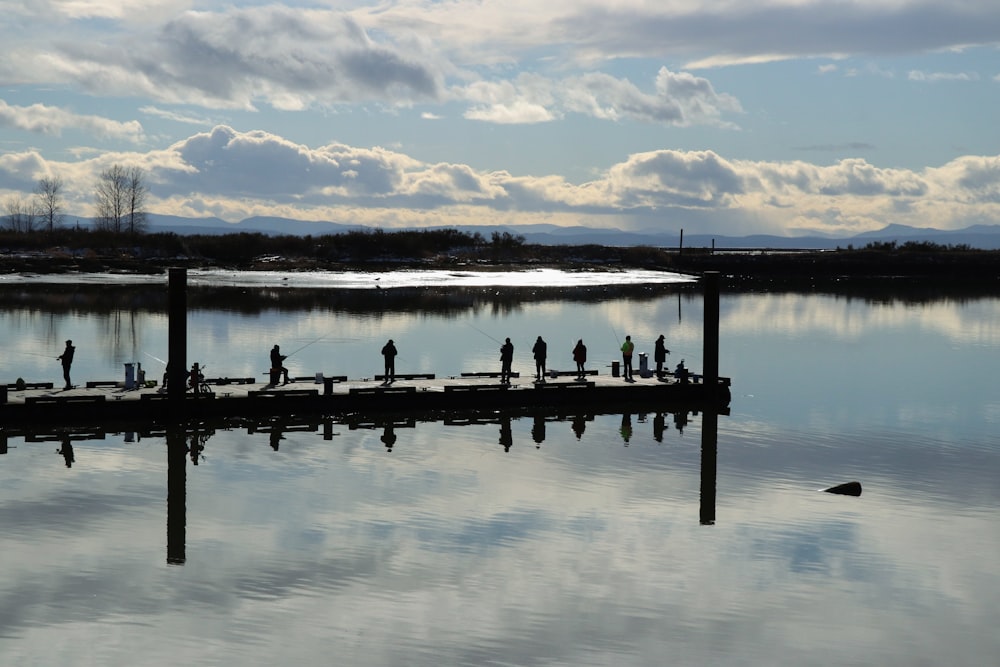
x=506 y=357
x=580 y=357
x=540 y=351
x=389 y=352
x=277 y=361
x=67 y=360
x=660 y=353
x=628 y=347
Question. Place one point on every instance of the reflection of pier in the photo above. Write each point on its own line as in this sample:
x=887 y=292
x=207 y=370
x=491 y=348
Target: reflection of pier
x=187 y=442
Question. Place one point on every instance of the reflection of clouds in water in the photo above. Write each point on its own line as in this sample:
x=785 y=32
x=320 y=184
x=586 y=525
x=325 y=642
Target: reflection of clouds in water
x=449 y=551
x=795 y=315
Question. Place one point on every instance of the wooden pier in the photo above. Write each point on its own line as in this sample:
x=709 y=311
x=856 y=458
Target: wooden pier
x=233 y=397
x=97 y=402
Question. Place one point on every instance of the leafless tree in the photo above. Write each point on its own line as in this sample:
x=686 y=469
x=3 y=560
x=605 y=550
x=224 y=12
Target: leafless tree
x=48 y=201
x=120 y=198
x=21 y=214
x=136 y=200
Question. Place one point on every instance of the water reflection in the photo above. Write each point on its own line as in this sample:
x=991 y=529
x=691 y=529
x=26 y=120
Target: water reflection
x=188 y=444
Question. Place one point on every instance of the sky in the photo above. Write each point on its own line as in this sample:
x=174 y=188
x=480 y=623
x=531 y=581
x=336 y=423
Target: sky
x=734 y=117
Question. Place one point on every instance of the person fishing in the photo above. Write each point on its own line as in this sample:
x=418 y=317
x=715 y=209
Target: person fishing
x=580 y=357
x=67 y=360
x=627 y=348
x=540 y=351
x=660 y=353
x=277 y=365
x=506 y=358
x=389 y=353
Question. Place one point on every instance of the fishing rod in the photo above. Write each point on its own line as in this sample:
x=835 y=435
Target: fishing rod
x=616 y=336
x=484 y=333
x=306 y=345
x=155 y=357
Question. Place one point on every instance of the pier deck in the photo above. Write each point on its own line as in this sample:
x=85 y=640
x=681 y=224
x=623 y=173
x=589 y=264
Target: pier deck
x=234 y=397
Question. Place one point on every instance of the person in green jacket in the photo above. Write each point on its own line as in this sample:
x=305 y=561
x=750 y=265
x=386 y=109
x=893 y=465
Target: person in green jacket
x=627 y=348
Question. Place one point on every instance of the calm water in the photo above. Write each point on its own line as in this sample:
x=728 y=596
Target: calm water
x=580 y=544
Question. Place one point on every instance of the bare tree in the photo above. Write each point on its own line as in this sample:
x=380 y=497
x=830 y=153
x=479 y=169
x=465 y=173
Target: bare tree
x=136 y=200
x=120 y=197
x=48 y=196
x=21 y=214
x=109 y=199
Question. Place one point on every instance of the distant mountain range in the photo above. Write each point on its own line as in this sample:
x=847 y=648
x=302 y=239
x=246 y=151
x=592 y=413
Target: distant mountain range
x=977 y=236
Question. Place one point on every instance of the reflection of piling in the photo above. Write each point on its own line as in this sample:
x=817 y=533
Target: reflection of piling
x=711 y=335
x=176 y=494
x=177 y=341
x=709 y=456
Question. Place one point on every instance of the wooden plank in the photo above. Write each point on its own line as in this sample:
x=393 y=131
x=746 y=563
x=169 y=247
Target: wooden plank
x=284 y=392
x=381 y=390
x=450 y=388
x=61 y=400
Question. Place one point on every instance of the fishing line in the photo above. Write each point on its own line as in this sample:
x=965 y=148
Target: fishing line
x=484 y=333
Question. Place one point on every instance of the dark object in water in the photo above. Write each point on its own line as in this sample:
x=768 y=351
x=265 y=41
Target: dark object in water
x=846 y=489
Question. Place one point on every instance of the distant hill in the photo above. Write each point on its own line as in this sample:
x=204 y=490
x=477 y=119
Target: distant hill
x=977 y=236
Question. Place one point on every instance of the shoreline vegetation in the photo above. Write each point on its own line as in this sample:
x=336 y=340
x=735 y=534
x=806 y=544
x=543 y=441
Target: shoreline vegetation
x=84 y=251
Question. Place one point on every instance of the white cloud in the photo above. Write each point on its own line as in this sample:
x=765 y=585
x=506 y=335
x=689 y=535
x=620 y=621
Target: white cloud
x=935 y=77
x=680 y=99
x=53 y=121
x=234 y=174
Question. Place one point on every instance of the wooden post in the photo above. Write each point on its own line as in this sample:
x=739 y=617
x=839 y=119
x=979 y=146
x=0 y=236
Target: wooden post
x=177 y=340
x=176 y=493
x=711 y=336
x=709 y=459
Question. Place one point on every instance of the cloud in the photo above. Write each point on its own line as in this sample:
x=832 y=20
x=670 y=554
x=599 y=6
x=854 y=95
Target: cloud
x=51 y=120
x=235 y=174
x=935 y=77
x=286 y=57
x=174 y=116
x=680 y=99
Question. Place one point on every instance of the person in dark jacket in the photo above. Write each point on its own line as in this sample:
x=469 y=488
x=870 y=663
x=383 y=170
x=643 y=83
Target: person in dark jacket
x=580 y=357
x=660 y=353
x=389 y=353
x=277 y=364
x=540 y=351
x=506 y=357
x=67 y=360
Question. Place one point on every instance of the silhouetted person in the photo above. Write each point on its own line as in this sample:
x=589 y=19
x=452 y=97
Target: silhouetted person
x=680 y=421
x=626 y=428
x=628 y=347
x=388 y=437
x=506 y=437
x=660 y=353
x=166 y=376
x=659 y=425
x=538 y=430
x=506 y=357
x=389 y=353
x=67 y=451
x=579 y=425
x=67 y=360
x=197 y=447
x=540 y=351
x=277 y=365
x=681 y=373
x=195 y=378
x=580 y=357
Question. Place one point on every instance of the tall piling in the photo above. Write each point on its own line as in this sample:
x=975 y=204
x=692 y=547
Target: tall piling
x=177 y=341
x=710 y=354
